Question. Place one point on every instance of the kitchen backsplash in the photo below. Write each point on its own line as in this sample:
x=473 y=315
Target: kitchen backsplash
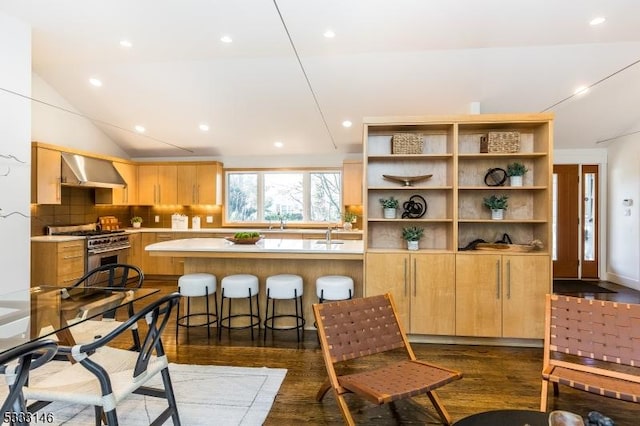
x=78 y=207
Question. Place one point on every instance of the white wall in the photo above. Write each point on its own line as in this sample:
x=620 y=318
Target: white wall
x=57 y=127
x=623 y=265
x=15 y=140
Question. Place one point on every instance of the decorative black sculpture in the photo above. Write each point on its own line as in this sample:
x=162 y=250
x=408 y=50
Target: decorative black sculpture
x=414 y=208
x=495 y=177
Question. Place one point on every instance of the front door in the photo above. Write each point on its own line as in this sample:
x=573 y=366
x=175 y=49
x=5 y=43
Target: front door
x=566 y=187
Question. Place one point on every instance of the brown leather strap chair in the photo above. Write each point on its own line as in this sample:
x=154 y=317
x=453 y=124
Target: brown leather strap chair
x=361 y=327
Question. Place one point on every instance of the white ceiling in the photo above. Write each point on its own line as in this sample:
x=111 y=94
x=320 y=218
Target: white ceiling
x=391 y=57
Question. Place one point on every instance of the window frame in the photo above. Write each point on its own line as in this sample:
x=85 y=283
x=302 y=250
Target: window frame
x=260 y=172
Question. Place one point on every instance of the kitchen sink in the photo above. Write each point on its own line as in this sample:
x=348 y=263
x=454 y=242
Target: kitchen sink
x=327 y=242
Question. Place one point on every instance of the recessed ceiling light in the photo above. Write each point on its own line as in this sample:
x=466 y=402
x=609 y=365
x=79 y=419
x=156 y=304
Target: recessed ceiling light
x=597 y=21
x=95 y=82
x=581 y=90
x=278 y=144
x=329 y=34
x=140 y=129
x=125 y=43
x=226 y=39
x=204 y=127
x=346 y=123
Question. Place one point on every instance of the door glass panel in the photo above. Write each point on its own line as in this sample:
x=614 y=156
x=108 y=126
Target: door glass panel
x=554 y=217
x=589 y=221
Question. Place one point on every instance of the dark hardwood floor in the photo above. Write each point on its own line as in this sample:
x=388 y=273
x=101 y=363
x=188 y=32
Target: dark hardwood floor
x=494 y=377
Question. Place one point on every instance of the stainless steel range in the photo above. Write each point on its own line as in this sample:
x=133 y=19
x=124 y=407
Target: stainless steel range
x=103 y=246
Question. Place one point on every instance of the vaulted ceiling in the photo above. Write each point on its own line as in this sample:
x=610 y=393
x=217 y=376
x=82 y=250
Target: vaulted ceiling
x=281 y=79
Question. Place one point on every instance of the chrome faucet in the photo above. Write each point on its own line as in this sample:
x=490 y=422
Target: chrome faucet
x=328 y=235
x=282 y=223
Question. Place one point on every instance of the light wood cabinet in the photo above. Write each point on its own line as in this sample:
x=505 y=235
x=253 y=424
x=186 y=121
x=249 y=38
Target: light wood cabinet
x=199 y=183
x=135 y=253
x=157 y=184
x=352 y=183
x=501 y=295
x=495 y=294
x=153 y=265
x=422 y=285
x=57 y=263
x=45 y=176
x=127 y=196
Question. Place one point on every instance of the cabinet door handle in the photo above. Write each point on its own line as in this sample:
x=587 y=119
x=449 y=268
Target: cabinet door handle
x=415 y=278
x=159 y=194
x=498 y=279
x=198 y=194
x=508 y=279
x=405 y=277
x=74 y=257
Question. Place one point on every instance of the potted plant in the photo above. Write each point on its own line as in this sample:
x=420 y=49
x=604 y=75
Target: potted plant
x=412 y=234
x=497 y=204
x=389 y=206
x=516 y=171
x=349 y=219
x=136 y=221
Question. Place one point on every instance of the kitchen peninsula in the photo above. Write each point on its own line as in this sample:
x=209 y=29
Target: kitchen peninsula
x=305 y=257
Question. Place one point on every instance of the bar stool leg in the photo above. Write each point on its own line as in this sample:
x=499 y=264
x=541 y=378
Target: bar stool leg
x=207 y=303
x=251 y=315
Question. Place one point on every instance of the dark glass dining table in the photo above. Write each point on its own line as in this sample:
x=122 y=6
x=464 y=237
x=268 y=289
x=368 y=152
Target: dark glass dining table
x=43 y=311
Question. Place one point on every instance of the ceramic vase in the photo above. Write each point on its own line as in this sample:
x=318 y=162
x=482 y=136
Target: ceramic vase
x=137 y=224
x=412 y=245
x=497 y=214
x=389 y=213
x=515 y=180
x=347 y=226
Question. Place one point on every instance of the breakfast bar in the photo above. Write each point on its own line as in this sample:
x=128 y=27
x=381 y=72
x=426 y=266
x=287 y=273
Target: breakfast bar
x=271 y=256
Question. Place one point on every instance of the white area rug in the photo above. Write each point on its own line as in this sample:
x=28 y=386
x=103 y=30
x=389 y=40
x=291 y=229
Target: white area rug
x=206 y=395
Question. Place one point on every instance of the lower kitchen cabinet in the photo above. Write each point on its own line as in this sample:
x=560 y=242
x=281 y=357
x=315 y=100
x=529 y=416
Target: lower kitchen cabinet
x=57 y=263
x=501 y=295
x=423 y=287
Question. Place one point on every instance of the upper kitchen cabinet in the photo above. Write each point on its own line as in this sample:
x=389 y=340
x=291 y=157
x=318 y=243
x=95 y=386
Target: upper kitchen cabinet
x=45 y=176
x=127 y=196
x=352 y=183
x=199 y=183
x=157 y=184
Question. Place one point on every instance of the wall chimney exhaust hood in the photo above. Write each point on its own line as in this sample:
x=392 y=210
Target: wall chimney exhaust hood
x=78 y=170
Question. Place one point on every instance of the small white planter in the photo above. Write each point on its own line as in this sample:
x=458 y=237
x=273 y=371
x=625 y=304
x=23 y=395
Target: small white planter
x=389 y=213
x=347 y=226
x=137 y=224
x=497 y=214
x=515 y=180
x=412 y=245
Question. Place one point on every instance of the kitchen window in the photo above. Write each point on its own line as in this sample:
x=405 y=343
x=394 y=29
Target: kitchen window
x=292 y=196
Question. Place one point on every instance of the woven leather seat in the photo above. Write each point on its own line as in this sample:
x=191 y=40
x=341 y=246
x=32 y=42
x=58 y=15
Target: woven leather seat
x=356 y=328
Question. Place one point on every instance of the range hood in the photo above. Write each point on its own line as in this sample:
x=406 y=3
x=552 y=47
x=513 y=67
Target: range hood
x=89 y=172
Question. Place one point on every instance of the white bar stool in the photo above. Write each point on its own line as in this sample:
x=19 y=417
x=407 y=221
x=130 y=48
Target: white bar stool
x=239 y=286
x=284 y=287
x=334 y=287
x=196 y=285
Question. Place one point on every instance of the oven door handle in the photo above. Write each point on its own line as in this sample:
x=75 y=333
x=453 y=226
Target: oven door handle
x=108 y=250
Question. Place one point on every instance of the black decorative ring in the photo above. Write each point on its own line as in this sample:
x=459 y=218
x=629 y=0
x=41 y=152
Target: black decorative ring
x=415 y=208
x=495 y=177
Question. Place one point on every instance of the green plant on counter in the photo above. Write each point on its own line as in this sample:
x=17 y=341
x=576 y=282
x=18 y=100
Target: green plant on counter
x=389 y=203
x=350 y=217
x=136 y=219
x=246 y=235
x=516 y=169
x=496 y=202
x=412 y=233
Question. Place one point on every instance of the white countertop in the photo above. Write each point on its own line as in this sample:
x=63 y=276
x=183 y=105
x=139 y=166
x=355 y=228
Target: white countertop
x=231 y=231
x=264 y=246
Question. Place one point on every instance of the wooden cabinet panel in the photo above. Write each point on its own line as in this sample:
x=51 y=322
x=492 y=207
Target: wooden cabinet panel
x=45 y=176
x=501 y=295
x=157 y=184
x=433 y=299
x=161 y=265
x=526 y=281
x=134 y=256
x=199 y=183
x=389 y=273
x=478 y=295
x=352 y=183
x=57 y=263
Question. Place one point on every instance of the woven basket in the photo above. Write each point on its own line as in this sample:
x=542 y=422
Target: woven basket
x=500 y=142
x=407 y=143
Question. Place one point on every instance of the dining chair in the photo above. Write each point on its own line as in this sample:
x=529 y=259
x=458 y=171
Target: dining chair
x=103 y=375
x=118 y=275
x=15 y=365
x=359 y=327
